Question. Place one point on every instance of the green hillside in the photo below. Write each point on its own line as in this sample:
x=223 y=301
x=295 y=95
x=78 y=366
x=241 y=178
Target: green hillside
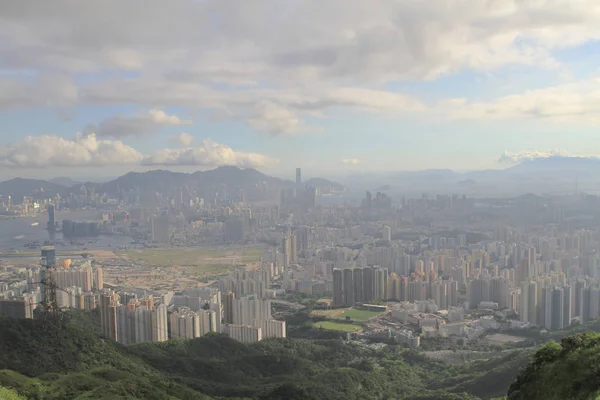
x=70 y=361
x=569 y=370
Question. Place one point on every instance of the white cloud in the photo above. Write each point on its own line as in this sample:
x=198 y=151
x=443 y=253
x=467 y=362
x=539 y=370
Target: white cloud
x=46 y=91
x=143 y=122
x=183 y=139
x=530 y=155
x=312 y=56
x=351 y=161
x=208 y=153
x=301 y=40
x=578 y=101
x=86 y=150
x=274 y=119
x=53 y=151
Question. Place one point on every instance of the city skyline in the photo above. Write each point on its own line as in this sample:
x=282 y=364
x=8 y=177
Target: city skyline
x=359 y=86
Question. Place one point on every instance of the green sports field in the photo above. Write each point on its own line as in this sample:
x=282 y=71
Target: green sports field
x=360 y=315
x=337 y=326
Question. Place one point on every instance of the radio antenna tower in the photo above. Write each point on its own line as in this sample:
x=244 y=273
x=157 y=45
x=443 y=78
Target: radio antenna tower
x=49 y=302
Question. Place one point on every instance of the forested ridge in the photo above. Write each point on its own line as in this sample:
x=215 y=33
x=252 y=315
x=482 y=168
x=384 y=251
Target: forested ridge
x=71 y=361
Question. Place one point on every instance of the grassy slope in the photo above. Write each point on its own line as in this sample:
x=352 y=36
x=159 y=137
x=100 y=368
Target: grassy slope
x=8 y=394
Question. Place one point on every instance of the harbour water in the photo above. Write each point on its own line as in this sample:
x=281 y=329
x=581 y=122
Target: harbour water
x=15 y=233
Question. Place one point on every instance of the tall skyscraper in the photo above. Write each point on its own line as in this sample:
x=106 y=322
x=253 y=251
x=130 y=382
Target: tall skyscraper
x=380 y=283
x=49 y=256
x=159 y=229
x=98 y=279
x=303 y=238
x=51 y=221
x=159 y=321
x=228 y=307
x=293 y=249
x=368 y=281
x=108 y=314
x=338 y=287
x=387 y=233
x=244 y=333
x=298 y=176
x=348 y=287
x=369 y=201
x=249 y=308
x=357 y=278
x=286 y=249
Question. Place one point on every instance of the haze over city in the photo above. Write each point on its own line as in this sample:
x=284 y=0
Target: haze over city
x=299 y=199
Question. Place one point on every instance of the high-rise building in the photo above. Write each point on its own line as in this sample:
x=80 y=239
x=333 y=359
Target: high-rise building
x=51 y=220
x=554 y=307
x=184 y=324
x=293 y=249
x=393 y=290
x=369 y=201
x=159 y=229
x=567 y=299
x=478 y=290
x=338 y=288
x=368 y=282
x=348 y=287
x=357 y=278
x=303 y=238
x=298 y=177
x=108 y=304
x=235 y=230
x=98 y=279
x=249 y=308
x=80 y=276
x=20 y=308
x=380 y=283
x=286 y=249
x=271 y=328
x=228 y=307
x=208 y=322
x=243 y=333
x=387 y=233
x=48 y=256
x=159 y=330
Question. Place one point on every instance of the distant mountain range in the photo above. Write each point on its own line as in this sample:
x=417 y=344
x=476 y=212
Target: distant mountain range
x=64 y=181
x=159 y=181
x=543 y=175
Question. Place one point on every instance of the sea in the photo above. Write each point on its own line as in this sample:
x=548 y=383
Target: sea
x=15 y=233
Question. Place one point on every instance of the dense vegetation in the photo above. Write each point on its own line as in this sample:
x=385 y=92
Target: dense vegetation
x=71 y=361
x=569 y=370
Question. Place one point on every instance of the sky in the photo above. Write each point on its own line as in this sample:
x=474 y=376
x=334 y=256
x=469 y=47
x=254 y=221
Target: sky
x=98 y=88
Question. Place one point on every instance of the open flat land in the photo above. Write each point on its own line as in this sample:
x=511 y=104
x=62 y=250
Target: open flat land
x=183 y=256
x=337 y=326
x=197 y=261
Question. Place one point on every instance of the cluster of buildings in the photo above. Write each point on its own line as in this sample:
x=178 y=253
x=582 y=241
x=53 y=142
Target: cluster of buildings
x=435 y=258
x=128 y=316
x=353 y=286
x=22 y=288
x=128 y=319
